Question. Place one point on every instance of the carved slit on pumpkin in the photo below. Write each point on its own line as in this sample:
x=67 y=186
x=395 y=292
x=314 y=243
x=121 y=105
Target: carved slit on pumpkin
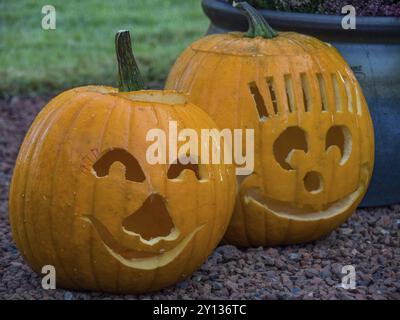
x=358 y=101
x=289 y=92
x=271 y=88
x=322 y=92
x=259 y=101
x=349 y=94
x=336 y=92
x=305 y=86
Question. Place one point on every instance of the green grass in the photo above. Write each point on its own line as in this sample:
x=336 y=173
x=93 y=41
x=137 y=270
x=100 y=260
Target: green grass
x=81 y=49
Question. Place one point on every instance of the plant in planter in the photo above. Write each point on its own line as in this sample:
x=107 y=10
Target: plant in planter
x=296 y=5
x=314 y=144
x=373 y=52
x=363 y=7
x=84 y=199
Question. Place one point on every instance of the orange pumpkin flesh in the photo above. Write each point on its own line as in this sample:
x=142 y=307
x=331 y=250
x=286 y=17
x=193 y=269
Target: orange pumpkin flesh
x=314 y=145
x=85 y=200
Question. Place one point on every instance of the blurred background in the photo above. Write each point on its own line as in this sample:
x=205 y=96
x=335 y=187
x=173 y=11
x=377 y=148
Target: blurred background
x=80 y=51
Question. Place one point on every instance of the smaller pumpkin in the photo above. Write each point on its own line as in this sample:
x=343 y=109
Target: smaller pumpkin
x=84 y=199
x=313 y=135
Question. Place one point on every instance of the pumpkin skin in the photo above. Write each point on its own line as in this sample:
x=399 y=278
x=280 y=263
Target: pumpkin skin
x=84 y=199
x=314 y=140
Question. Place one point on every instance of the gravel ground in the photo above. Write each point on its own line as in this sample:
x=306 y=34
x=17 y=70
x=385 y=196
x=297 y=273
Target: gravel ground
x=369 y=241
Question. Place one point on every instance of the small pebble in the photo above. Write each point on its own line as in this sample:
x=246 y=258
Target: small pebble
x=68 y=296
x=294 y=256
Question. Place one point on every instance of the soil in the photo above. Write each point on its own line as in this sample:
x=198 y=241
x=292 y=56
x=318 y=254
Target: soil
x=369 y=241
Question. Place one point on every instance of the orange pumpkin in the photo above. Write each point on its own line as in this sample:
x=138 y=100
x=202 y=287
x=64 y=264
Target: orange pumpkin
x=314 y=145
x=85 y=200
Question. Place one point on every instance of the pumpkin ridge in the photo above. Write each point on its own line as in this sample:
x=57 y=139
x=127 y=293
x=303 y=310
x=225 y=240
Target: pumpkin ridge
x=67 y=131
x=179 y=120
x=184 y=68
x=97 y=282
x=206 y=247
x=26 y=150
x=128 y=134
x=33 y=151
x=261 y=144
x=210 y=85
x=154 y=275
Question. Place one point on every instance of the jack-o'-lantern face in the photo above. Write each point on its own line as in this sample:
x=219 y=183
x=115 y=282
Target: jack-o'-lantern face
x=313 y=135
x=150 y=231
x=311 y=168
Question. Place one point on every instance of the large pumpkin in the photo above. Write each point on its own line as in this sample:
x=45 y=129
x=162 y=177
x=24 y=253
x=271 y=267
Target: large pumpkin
x=314 y=145
x=85 y=200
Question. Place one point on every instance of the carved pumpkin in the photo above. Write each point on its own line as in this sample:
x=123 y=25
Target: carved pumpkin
x=84 y=198
x=314 y=145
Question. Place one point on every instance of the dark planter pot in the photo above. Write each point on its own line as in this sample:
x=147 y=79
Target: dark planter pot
x=373 y=52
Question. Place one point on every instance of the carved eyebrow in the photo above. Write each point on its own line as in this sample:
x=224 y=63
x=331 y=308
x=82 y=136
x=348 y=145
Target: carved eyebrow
x=133 y=171
x=176 y=169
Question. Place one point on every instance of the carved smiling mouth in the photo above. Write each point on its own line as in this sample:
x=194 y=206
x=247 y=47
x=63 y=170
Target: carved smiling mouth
x=288 y=211
x=141 y=259
x=138 y=259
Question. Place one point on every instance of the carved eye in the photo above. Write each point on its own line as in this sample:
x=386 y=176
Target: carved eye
x=290 y=139
x=340 y=136
x=133 y=171
x=176 y=169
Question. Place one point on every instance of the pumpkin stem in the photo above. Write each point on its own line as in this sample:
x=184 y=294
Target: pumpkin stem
x=129 y=75
x=258 y=27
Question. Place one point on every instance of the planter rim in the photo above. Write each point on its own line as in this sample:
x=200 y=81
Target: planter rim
x=217 y=9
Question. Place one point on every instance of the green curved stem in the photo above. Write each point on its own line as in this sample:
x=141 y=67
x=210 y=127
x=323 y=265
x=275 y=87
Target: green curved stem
x=258 y=27
x=129 y=75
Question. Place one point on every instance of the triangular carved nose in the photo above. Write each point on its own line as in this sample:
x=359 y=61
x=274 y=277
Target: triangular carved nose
x=151 y=220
